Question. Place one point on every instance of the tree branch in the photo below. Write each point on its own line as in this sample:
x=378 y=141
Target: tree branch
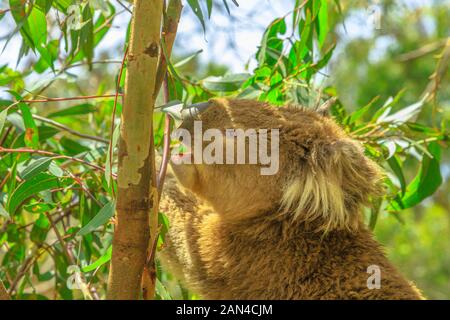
x=136 y=179
x=169 y=31
x=69 y=130
x=3 y=293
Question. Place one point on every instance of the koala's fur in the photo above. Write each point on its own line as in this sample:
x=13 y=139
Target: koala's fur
x=235 y=234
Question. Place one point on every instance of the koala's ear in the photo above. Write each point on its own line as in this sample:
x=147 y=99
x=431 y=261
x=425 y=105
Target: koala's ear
x=324 y=109
x=332 y=186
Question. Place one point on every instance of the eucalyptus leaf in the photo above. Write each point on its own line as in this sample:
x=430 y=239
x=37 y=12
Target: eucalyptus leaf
x=35 y=167
x=99 y=262
x=100 y=218
x=227 y=83
x=195 y=6
x=31 y=187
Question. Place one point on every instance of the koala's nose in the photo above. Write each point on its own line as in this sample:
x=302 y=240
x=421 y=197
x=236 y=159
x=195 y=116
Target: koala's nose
x=185 y=113
x=191 y=111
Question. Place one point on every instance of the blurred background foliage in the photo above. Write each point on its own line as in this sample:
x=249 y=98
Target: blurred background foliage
x=386 y=62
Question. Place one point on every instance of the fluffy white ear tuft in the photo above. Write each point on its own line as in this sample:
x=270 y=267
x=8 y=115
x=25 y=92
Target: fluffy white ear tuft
x=336 y=180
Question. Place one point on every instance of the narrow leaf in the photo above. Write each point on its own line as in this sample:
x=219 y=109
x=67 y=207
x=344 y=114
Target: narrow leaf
x=195 y=6
x=31 y=131
x=35 y=167
x=81 y=109
x=31 y=187
x=100 y=218
x=394 y=163
x=100 y=261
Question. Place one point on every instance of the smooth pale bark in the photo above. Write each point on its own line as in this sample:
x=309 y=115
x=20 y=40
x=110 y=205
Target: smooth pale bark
x=136 y=179
x=3 y=293
x=169 y=30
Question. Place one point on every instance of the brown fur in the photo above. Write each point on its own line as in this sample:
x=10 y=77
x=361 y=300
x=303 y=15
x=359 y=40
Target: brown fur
x=294 y=235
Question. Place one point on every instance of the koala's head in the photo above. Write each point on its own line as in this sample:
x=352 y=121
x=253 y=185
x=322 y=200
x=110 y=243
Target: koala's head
x=296 y=162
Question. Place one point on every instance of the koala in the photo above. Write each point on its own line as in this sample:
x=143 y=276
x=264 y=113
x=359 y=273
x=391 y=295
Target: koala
x=296 y=234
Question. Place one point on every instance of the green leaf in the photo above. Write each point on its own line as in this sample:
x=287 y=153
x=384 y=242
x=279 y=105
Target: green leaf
x=99 y=262
x=3 y=115
x=40 y=229
x=322 y=22
x=163 y=221
x=187 y=59
x=115 y=139
x=63 y=5
x=72 y=147
x=394 y=163
x=425 y=183
x=326 y=57
x=100 y=218
x=44 y=5
x=46 y=132
x=31 y=187
x=21 y=19
x=55 y=170
x=306 y=34
x=100 y=27
x=374 y=213
x=4 y=213
x=271 y=41
x=227 y=83
x=87 y=35
x=162 y=291
x=48 y=56
x=82 y=33
x=31 y=132
x=195 y=6
x=172 y=70
x=38 y=27
x=362 y=111
x=36 y=167
x=209 y=5
x=39 y=207
x=5 y=103
x=81 y=109
x=225 y=4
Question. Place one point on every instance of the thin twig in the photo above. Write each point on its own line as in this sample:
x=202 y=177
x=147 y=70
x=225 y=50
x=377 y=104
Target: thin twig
x=70 y=130
x=5 y=135
x=75 y=65
x=124 y=6
x=51 y=154
x=3 y=293
x=422 y=51
x=69 y=98
x=169 y=31
x=68 y=253
x=24 y=268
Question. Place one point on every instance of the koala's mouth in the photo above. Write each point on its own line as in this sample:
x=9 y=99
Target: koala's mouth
x=180 y=151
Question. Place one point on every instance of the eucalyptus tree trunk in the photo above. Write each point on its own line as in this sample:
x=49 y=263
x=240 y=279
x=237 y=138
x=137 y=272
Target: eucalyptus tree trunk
x=3 y=293
x=136 y=179
x=169 y=30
